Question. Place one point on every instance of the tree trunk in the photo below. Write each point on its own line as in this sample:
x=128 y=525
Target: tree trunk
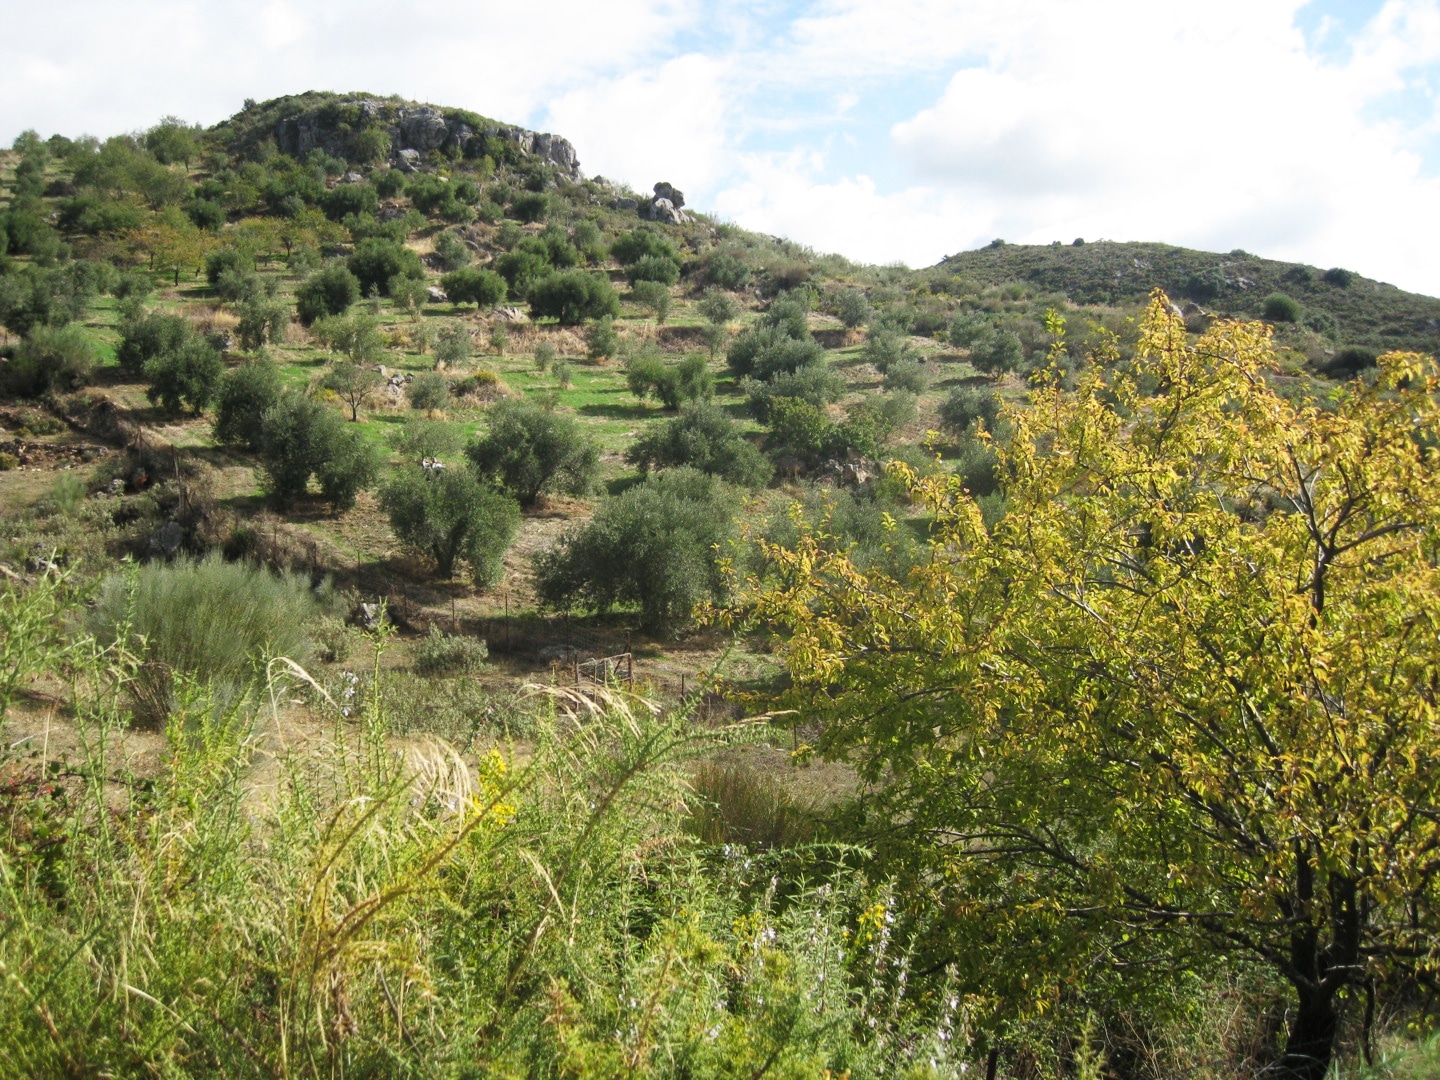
x=1312 y=1038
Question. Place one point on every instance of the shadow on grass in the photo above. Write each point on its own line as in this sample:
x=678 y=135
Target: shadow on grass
x=621 y=484
x=620 y=412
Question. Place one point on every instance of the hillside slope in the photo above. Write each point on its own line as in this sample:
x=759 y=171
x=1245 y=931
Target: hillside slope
x=1344 y=306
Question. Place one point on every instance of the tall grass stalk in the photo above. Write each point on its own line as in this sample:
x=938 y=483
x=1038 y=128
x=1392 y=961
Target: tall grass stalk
x=374 y=907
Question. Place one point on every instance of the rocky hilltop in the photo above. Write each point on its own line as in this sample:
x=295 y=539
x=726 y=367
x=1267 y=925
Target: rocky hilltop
x=363 y=127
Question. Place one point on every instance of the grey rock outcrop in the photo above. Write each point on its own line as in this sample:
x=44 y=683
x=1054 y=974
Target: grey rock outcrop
x=665 y=205
x=414 y=131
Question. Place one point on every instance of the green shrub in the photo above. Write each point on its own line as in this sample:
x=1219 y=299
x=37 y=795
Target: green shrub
x=226 y=260
x=908 y=374
x=654 y=296
x=1350 y=361
x=187 y=376
x=997 y=353
x=530 y=451
x=601 y=339
x=645 y=241
x=818 y=384
x=331 y=291
x=428 y=390
x=439 y=653
x=530 y=207
x=657 y=268
x=702 y=437
x=451 y=251
x=49 y=358
x=1281 y=308
x=301 y=439
x=144 y=338
x=450 y=515
x=212 y=620
x=453 y=344
x=572 y=296
x=1339 y=277
x=521 y=271
x=967 y=404
x=885 y=347
x=545 y=355
x=483 y=288
x=262 y=320
x=376 y=262
x=657 y=546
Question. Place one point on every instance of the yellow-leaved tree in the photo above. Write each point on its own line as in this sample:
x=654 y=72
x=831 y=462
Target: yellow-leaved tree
x=1181 y=698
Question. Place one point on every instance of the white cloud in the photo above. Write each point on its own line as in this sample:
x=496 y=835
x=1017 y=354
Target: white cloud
x=120 y=67
x=1210 y=127
x=665 y=123
x=885 y=129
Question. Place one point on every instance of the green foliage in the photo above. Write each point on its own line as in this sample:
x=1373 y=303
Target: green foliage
x=656 y=546
x=1350 y=362
x=907 y=374
x=210 y=620
x=851 y=307
x=530 y=451
x=483 y=288
x=428 y=390
x=884 y=348
x=1280 y=308
x=727 y=268
x=653 y=268
x=589 y=241
x=530 y=207
x=601 y=339
x=244 y=394
x=521 y=270
x=964 y=405
x=1130 y=687
x=439 y=653
x=818 y=383
x=377 y=262
x=144 y=338
x=702 y=437
x=331 y=291
x=226 y=260
x=49 y=358
x=1339 y=277
x=302 y=439
x=388 y=182
x=449 y=515
x=37 y=297
x=572 y=296
x=451 y=250
x=352 y=383
x=644 y=242
x=356 y=336
x=187 y=375
x=718 y=308
x=997 y=352
x=766 y=351
x=420 y=439
x=262 y=320
x=345 y=199
x=452 y=343
x=654 y=296
x=674 y=384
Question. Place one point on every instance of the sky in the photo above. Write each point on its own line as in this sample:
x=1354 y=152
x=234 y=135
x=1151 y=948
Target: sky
x=894 y=132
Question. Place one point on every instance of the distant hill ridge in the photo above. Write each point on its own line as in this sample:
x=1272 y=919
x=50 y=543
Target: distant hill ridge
x=1337 y=302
